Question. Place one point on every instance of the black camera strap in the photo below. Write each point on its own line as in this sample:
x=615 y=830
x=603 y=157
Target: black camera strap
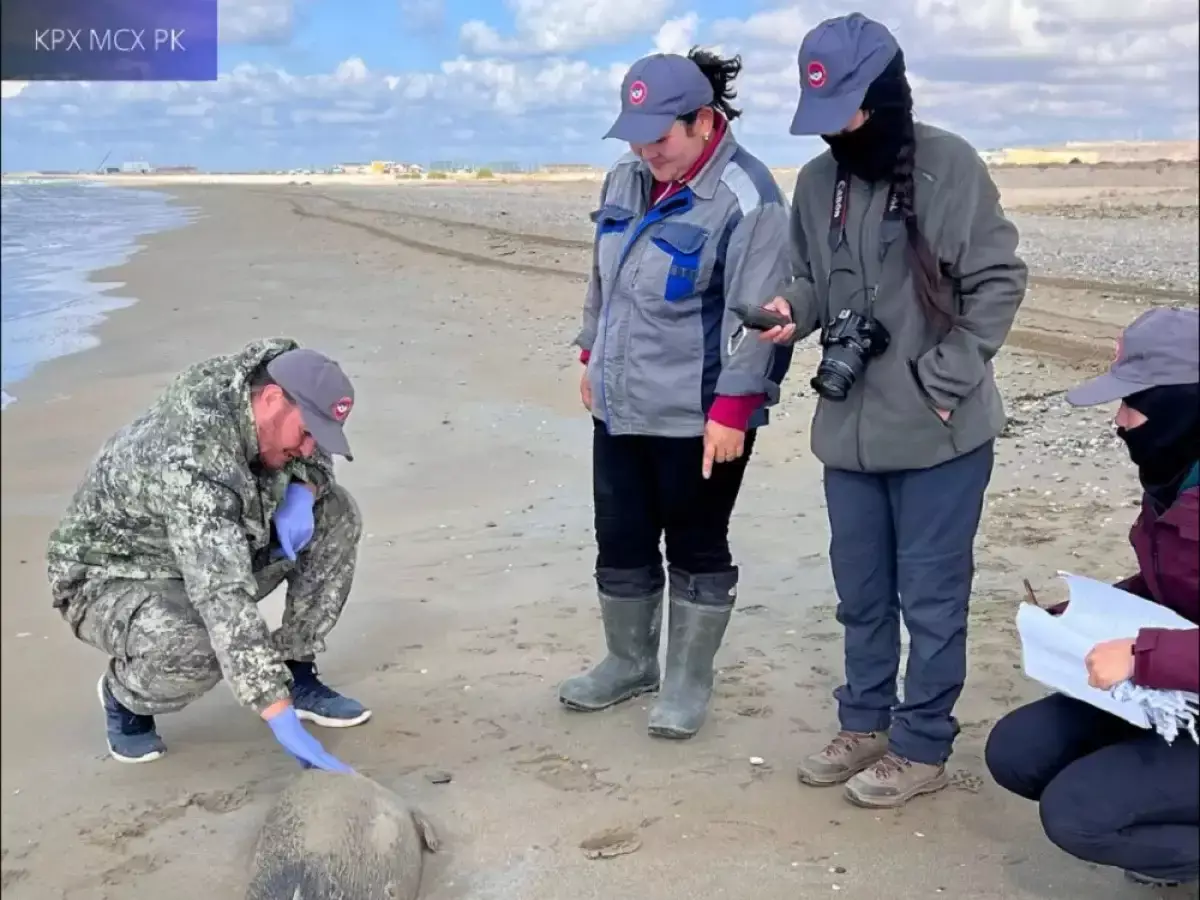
x=839 y=211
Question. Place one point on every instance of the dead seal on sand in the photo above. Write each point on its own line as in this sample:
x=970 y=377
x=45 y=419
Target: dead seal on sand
x=340 y=837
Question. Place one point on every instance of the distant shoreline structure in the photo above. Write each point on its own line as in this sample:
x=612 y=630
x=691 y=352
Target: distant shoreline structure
x=1073 y=153
x=1096 y=153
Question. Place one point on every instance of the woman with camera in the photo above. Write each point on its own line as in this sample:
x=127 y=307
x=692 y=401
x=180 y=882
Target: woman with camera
x=689 y=225
x=903 y=258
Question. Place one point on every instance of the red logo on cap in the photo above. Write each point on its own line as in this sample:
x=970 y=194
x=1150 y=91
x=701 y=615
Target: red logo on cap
x=341 y=409
x=816 y=74
x=637 y=93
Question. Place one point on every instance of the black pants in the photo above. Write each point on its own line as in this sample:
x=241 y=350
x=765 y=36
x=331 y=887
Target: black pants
x=647 y=487
x=1109 y=793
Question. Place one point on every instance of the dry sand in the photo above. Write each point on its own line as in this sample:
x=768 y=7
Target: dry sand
x=453 y=311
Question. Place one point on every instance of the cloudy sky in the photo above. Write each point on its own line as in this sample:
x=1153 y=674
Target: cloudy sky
x=314 y=82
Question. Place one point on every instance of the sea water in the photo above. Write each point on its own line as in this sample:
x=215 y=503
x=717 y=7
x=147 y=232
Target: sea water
x=54 y=234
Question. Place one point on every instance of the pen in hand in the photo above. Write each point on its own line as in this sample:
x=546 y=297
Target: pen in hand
x=1030 y=597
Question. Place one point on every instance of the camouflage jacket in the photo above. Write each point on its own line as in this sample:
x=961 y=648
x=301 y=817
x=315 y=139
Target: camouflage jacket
x=176 y=495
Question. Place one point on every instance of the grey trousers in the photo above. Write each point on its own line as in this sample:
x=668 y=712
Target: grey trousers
x=161 y=658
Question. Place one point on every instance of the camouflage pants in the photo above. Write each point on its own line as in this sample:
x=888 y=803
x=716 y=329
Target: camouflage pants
x=161 y=657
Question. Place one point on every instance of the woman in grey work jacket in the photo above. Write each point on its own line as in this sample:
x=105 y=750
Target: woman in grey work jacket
x=689 y=223
x=903 y=258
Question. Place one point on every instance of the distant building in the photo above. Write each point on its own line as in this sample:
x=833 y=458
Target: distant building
x=136 y=168
x=176 y=170
x=1034 y=156
x=564 y=168
x=1139 y=151
x=355 y=168
x=505 y=167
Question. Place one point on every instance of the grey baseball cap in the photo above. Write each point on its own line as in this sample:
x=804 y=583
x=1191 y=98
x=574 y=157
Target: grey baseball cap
x=657 y=90
x=1160 y=347
x=838 y=61
x=321 y=390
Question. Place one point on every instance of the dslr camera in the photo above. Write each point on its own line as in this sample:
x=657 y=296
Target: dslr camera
x=848 y=343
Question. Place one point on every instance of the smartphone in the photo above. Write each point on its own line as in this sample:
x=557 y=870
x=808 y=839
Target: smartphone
x=759 y=318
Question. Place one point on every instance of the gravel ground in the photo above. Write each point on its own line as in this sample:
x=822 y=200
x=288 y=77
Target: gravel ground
x=1153 y=249
x=1099 y=240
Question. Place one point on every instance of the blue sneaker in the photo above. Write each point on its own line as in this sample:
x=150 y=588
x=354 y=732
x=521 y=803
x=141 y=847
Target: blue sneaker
x=131 y=737
x=315 y=702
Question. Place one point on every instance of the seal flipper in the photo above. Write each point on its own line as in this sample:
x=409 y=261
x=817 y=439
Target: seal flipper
x=429 y=837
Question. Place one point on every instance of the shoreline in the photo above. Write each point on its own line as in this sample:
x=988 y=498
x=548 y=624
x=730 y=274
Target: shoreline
x=1184 y=161
x=107 y=293
x=474 y=595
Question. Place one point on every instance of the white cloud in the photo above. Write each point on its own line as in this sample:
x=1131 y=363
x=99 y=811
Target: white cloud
x=254 y=21
x=462 y=103
x=784 y=26
x=563 y=26
x=351 y=71
x=999 y=72
x=677 y=35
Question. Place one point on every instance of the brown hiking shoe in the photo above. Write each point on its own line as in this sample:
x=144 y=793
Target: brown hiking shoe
x=843 y=758
x=893 y=781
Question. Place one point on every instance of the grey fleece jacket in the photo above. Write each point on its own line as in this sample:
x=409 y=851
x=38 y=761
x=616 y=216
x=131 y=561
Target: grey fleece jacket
x=889 y=421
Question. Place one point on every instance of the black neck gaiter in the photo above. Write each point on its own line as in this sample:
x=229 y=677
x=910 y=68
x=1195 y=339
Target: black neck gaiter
x=870 y=151
x=1167 y=444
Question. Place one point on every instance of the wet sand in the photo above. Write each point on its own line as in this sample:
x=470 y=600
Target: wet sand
x=474 y=595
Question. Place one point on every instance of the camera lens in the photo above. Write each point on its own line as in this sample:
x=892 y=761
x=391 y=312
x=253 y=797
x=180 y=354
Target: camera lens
x=834 y=379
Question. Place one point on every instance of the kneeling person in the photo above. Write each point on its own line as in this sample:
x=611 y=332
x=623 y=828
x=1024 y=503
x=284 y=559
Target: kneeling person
x=1110 y=793
x=193 y=513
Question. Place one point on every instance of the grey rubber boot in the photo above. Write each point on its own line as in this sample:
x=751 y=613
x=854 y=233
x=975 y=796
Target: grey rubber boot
x=631 y=604
x=700 y=609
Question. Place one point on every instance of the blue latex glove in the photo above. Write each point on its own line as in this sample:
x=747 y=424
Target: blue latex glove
x=294 y=522
x=303 y=746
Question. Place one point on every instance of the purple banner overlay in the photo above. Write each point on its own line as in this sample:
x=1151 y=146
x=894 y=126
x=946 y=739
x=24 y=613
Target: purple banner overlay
x=108 y=40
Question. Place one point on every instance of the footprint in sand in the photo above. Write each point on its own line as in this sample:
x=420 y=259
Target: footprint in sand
x=114 y=834
x=753 y=711
x=565 y=774
x=611 y=843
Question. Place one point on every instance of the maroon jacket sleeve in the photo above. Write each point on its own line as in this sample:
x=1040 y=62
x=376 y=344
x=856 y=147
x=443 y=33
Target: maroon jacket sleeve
x=735 y=412
x=1167 y=658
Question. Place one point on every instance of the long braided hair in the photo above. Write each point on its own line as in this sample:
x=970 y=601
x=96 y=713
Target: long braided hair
x=931 y=288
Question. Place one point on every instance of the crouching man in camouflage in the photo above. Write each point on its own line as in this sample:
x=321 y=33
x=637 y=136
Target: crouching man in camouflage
x=187 y=518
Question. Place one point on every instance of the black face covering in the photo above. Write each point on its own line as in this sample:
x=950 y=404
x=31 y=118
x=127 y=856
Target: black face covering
x=870 y=151
x=1167 y=444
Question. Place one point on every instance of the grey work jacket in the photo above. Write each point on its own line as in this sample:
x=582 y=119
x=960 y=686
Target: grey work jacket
x=656 y=322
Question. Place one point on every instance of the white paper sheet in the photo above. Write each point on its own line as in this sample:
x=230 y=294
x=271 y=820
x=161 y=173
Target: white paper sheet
x=1053 y=648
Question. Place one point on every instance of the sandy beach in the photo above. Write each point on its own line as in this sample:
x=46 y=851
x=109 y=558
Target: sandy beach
x=452 y=309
